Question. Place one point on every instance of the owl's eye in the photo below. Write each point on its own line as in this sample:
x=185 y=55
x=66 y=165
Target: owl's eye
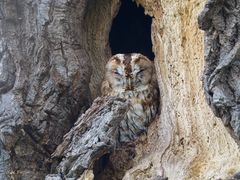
x=140 y=72
x=116 y=73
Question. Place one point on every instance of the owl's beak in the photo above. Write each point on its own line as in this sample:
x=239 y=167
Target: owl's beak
x=129 y=86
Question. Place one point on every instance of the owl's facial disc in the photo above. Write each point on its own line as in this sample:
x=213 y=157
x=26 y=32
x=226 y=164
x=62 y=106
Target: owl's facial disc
x=129 y=72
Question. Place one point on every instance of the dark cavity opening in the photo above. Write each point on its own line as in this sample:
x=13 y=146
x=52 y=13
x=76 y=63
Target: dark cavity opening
x=100 y=166
x=131 y=31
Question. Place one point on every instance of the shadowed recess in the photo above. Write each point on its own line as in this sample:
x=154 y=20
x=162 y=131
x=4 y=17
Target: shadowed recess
x=131 y=31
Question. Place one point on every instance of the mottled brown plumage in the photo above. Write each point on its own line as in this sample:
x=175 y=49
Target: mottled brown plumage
x=132 y=77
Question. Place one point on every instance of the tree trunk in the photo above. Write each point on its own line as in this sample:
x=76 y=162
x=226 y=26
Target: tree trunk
x=52 y=59
x=187 y=141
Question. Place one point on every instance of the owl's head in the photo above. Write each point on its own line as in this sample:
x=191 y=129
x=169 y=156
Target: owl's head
x=129 y=72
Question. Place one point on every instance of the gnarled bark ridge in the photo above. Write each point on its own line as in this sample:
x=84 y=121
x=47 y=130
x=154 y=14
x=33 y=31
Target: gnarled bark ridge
x=220 y=21
x=94 y=135
x=51 y=66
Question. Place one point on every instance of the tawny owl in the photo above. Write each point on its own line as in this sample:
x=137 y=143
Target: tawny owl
x=132 y=77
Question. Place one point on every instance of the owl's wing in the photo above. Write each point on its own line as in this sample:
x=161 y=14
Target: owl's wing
x=105 y=89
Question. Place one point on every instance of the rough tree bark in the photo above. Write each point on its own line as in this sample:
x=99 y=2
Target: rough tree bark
x=52 y=57
x=187 y=141
x=220 y=20
x=51 y=65
x=94 y=135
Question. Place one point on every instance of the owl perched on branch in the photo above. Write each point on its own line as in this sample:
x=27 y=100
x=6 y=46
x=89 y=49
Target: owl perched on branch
x=132 y=77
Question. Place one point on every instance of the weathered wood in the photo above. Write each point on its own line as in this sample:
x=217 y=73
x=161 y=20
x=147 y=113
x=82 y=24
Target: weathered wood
x=187 y=141
x=52 y=56
x=221 y=80
x=93 y=135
